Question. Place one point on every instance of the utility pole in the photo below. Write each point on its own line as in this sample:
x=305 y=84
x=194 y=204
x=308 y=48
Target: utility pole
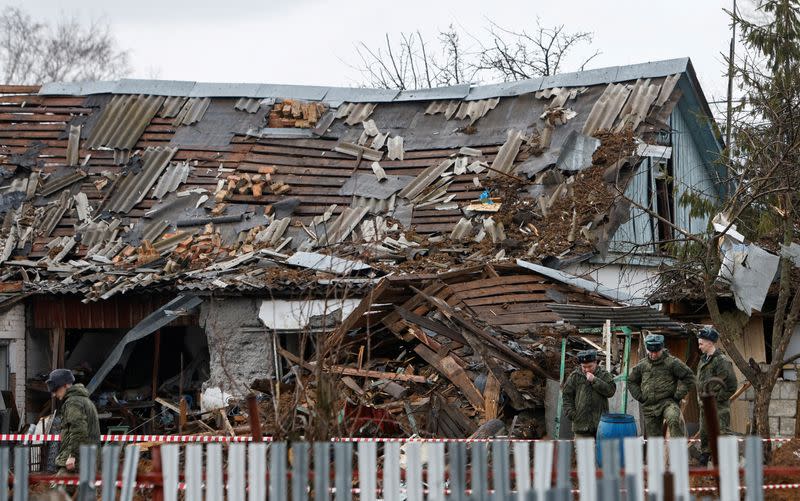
x=729 y=120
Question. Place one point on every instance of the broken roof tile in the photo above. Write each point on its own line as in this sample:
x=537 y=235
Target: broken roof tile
x=134 y=186
x=123 y=121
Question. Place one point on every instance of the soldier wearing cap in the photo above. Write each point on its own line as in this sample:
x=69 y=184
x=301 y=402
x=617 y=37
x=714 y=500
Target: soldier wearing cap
x=714 y=364
x=659 y=383
x=79 y=422
x=586 y=394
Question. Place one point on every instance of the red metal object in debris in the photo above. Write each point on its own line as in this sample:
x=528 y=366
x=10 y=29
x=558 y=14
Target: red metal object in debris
x=158 y=490
x=255 y=420
x=357 y=416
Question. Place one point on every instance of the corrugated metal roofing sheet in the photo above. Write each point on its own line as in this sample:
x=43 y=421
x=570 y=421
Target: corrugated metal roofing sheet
x=452 y=92
x=172 y=106
x=123 y=121
x=133 y=188
x=642 y=317
x=345 y=94
x=247 y=104
x=606 y=109
x=54 y=185
x=174 y=175
x=192 y=111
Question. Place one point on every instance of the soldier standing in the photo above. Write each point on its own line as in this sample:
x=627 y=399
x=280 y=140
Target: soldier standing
x=79 y=422
x=659 y=383
x=586 y=394
x=714 y=364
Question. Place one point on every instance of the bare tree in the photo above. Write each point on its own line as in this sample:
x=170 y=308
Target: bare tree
x=410 y=61
x=35 y=52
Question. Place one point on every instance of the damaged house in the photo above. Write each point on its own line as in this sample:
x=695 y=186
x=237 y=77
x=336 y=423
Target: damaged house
x=168 y=238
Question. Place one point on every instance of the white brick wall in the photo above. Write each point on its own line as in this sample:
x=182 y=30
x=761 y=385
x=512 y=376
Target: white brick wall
x=12 y=327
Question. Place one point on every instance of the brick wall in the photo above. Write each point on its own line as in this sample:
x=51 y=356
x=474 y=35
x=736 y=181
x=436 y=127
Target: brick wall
x=12 y=327
x=782 y=408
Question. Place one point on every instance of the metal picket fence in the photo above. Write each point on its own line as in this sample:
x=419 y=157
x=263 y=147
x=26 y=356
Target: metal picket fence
x=496 y=470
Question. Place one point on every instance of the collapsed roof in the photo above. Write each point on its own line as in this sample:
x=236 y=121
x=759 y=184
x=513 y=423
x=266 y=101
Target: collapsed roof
x=110 y=187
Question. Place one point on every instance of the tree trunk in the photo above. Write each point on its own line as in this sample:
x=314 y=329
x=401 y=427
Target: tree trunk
x=763 y=395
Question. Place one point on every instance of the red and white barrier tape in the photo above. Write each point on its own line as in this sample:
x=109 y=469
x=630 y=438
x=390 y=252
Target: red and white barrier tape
x=20 y=437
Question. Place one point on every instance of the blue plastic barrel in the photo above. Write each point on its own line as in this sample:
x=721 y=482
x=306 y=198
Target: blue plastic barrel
x=616 y=427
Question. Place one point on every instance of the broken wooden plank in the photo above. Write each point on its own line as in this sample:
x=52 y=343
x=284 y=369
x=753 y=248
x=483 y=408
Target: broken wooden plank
x=392 y=376
x=451 y=314
x=430 y=324
x=452 y=371
x=491 y=395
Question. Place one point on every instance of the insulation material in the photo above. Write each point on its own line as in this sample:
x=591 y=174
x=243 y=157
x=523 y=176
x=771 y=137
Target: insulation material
x=282 y=314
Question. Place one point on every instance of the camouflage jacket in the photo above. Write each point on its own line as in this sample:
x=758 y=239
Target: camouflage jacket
x=585 y=402
x=79 y=424
x=717 y=365
x=653 y=382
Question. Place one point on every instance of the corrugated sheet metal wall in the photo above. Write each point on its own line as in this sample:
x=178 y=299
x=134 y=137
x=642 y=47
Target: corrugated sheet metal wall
x=691 y=174
x=638 y=232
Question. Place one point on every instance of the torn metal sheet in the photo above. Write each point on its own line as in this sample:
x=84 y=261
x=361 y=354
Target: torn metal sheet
x=181 y=305
x=576 y=152
x=504 y=160
x=425 y=178
x=174 y=175
x=395 y=146
x=123 y=121
x=326 y=263
x=192 y=111
x=74 y=145
x=132 y=188
x=582 y=283
x=749 y=270
x=367 y=185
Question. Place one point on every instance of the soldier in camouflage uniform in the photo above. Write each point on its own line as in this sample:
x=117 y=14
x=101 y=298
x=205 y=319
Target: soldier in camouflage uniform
x=586 y=394
x=659 y=383
x=79 y=422
x=714 y=363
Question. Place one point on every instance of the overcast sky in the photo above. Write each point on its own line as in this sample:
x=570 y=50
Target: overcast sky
x=312 y=42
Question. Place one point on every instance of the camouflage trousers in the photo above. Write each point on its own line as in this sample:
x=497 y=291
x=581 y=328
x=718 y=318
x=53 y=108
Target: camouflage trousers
x=667 y=412
x=724 y=416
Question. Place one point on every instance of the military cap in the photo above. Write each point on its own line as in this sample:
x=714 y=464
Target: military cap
x=586 y=356
x=654 y=342
x=708 y=333
x=59 y=378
